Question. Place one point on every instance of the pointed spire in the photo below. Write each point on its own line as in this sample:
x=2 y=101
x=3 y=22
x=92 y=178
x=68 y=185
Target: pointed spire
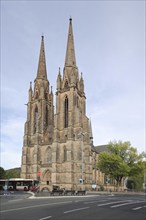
x=59 y=74
x=30 y=88
x=82 y=83
x=30 y=92
x=59 y=80
x=42 y=73
x=70 y=59
x=51 y=90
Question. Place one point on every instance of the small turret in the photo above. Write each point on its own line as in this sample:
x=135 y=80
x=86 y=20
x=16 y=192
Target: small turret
x=81 y=84
x=30 y=92
x=59 y=80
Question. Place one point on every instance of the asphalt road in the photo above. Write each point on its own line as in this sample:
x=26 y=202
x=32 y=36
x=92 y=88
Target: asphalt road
x=89 y=207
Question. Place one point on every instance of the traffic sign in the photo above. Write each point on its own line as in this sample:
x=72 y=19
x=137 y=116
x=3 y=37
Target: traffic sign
x=39 y=173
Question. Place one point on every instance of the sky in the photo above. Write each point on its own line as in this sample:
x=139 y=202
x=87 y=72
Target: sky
x=109 y=38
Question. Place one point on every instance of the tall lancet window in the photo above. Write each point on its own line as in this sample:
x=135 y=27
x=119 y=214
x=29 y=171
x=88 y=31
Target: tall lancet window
x=65 y=154
x=66 y=112
x=35 y=119
x=47 y=119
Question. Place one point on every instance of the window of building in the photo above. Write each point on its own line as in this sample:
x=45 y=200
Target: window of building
x=48 y=155
x=66 y=112
x=77 y=102
x=35 y=119
x=47 y=121
x=65 y=154
x=66 y=84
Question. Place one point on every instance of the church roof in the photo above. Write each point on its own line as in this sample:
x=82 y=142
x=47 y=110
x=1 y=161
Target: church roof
x=102 y=148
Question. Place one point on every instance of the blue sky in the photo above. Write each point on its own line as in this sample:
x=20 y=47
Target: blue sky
x=109 y=39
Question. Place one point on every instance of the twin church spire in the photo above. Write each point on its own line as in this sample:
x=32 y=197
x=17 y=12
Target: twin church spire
x=42 y=72
x=70 y=59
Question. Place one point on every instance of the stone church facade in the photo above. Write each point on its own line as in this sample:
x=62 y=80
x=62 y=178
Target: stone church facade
x=59 y=144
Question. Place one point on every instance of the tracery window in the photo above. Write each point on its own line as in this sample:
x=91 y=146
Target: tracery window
x=35 y=118
x=77 y=102
x=49 y=155
x=66 y=84
x=65 y=154
x=47 y=119
x=66 y=112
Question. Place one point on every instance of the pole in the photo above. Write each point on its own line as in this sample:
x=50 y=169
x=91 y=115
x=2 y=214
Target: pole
x=82 y=157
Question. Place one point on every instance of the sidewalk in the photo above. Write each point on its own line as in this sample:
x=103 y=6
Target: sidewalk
x=88 y=193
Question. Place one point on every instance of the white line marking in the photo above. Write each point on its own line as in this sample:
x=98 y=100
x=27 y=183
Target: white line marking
x=127 y=203
x=94 y=201
x=111 y=195
x=74 y=210
x=109 y=203
x=60 y=197
x=136 y=208
x=45 y=218
x=34 y=206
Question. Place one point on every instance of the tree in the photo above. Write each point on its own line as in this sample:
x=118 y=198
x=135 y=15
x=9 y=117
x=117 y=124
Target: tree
x=137 y=180
x=2 y=173
x=12 y=173
x=120 y=162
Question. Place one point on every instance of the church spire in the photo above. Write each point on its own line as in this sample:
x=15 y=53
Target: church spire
x=42 y=73
x=70 y=59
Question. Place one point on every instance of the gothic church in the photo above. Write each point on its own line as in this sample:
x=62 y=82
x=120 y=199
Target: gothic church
x=59 y=145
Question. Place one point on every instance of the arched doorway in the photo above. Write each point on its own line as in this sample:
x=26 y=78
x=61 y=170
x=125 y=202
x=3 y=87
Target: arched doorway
x=46 y=178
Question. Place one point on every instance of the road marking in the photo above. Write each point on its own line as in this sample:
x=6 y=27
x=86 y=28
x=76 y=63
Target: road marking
x=95 y=201
x=34 y=206
x=74 y=210
x=45 y=218
x=136 y=208
x=127 y=203
x=111 y=195
x=109 y=203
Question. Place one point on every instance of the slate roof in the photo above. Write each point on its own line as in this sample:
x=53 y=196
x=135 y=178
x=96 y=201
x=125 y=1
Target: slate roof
x=102 y=148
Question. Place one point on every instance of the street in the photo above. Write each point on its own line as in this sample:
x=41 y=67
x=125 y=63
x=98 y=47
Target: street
x=88 y=207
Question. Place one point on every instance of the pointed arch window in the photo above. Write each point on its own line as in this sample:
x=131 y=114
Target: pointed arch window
x=77 y=102
x=35 y=118
x=66 y=112
x=47 y=118
x=49 y=155
x=66 y=84
x=65 y=154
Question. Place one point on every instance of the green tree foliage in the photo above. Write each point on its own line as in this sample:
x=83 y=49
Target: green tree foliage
x=12 y=173
x=122 y=161
x=137 y=180
x=2 y=173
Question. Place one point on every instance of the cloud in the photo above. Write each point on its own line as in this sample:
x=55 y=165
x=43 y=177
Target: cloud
x=119 y=119
x=11 y=142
